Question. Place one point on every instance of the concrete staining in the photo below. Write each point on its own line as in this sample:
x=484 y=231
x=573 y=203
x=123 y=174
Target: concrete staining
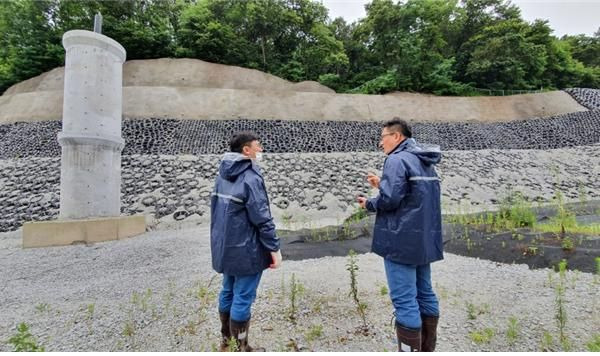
x=175 y=137
x=305 y=189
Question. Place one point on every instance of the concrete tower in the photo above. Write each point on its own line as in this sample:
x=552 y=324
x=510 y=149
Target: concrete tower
x=91 y=143
x=90 y=176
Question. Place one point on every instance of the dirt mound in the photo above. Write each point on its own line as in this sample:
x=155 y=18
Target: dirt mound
x=181 y=73
x=194 y=89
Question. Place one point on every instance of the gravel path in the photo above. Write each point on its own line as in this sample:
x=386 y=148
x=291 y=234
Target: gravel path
x=157 y=292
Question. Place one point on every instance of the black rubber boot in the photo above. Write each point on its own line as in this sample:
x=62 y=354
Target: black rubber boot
x=225 y=332
x=429 y=332
x=239 y=331
x=409 y=340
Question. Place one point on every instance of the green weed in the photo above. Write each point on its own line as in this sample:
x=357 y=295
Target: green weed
x=23 y=341
x=352 y=267
x=482 y=337
x=594 y=344
x=512 y=333
x=315 y=332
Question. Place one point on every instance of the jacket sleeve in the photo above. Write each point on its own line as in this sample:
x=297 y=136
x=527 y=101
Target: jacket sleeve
x=393 y=187
x=259 y=214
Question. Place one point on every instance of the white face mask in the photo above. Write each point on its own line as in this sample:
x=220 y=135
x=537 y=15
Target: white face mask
x=259 y=156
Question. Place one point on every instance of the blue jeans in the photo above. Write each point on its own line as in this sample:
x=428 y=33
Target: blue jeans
x=237 y=295
x=411 y=293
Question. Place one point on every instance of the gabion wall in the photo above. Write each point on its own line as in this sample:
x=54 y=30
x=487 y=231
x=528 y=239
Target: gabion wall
x=590 y=98
x=169 y=166
x=176 y=137
x=179 y=187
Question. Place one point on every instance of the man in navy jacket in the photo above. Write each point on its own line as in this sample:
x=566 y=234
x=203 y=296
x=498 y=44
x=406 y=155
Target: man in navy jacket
x=242 y=236
x=408 y=232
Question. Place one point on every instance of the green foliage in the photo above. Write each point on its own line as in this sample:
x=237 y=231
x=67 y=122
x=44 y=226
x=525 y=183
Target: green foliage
x=331 y=80
x=129 y=328
x=547 y=341
x=440 y=47
x=483 y=336
x=440 y=80
x=357 y=215
x=564 y=221
x=42 y=307
x=289 y=39
x=474 y=310
x=90 y=311
x=594 y=344
x=567 y=244
x=585 y=49
x=315 y=332
x=512 y=333
x=517 y=211
x=29 y=44
x=23 y=341
x=382 y=84
x=560 y=307
x=232 y=345
x=296 y=289
x=352 y=267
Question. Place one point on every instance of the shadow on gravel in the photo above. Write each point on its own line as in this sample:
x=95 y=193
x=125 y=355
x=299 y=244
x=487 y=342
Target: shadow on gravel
x=522 y=245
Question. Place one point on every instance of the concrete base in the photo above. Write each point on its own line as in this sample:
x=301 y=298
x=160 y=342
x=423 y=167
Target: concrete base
x=67 y=232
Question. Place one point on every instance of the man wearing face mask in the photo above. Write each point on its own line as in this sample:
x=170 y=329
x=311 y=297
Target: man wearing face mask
x=408 y=232
x=242 y=236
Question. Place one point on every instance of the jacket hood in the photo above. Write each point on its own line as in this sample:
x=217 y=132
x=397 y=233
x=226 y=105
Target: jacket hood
x=428 y=154
x=233 y=164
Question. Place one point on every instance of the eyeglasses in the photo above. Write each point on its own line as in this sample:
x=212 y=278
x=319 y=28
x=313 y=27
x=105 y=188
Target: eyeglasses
x=387 y=134
x=256 y=145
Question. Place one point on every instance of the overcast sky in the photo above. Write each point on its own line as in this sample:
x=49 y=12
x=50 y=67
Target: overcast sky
x=565 y=17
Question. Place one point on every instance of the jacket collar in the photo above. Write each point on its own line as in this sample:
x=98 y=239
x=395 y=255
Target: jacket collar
x=402 y=145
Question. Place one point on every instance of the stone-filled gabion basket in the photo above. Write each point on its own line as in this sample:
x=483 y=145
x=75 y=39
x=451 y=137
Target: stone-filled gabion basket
x=169 y=166
x=590 y=98
x=179 y=137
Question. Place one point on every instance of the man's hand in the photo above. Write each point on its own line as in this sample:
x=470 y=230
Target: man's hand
x=362 y=201
x=373 y=180
x=276 y=257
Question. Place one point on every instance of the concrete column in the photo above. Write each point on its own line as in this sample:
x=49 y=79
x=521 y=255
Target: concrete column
x=91 y=143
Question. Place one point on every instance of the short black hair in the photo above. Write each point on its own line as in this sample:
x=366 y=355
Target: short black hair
x=398 y=125
x=241 y=139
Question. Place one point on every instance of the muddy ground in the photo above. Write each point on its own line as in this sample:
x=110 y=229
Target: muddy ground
x=521 y=246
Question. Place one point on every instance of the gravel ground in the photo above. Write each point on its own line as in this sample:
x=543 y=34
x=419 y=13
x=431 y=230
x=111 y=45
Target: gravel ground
x=157 y=292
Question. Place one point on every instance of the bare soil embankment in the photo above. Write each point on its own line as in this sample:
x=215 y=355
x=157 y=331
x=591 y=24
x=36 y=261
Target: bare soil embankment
x=193 y=89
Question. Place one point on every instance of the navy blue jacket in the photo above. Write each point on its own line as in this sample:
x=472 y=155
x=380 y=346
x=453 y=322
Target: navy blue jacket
x=242 y=232
x=408 y=224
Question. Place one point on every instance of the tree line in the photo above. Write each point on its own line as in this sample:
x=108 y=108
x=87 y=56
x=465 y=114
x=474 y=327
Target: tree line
x=432 y=46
